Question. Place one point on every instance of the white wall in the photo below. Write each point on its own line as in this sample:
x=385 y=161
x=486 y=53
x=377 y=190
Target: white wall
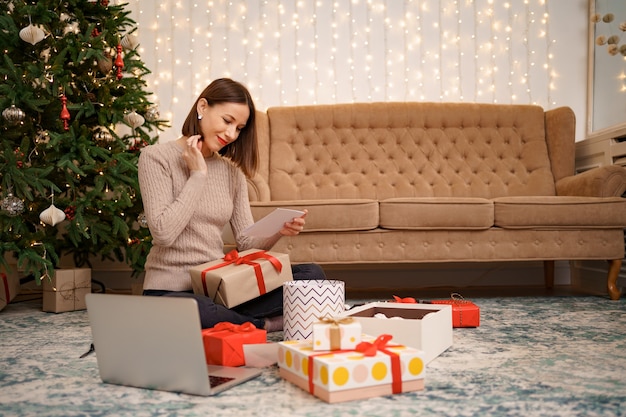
x=295 y=52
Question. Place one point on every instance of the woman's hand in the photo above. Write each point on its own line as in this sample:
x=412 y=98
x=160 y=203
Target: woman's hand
x=192 y=154
x=295 y=226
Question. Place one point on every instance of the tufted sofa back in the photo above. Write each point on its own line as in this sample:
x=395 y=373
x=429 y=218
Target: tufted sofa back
x=385 y=150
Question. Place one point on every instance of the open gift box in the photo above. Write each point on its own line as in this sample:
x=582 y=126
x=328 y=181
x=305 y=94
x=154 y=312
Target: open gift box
x=427 y=327
x=378 y=366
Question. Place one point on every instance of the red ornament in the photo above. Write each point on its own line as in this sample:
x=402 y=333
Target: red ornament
x=70 y=212
x=119 y=62
x=65 y=114
x=104 y=3
x=95 y=33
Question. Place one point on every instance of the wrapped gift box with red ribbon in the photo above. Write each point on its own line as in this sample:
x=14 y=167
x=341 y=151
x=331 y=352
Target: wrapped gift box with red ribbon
x=223 y=344
x=334 y=333
x=374 y=368
x=464 y=312
x=66 y=290
x=9 y=285
x=241 y=276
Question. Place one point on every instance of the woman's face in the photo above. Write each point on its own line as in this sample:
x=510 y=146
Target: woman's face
x=220 y=124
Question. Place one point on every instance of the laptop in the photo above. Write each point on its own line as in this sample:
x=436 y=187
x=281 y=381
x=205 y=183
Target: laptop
x=156 y=343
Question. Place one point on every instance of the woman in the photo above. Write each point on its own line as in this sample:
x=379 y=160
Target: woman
x=192 y=187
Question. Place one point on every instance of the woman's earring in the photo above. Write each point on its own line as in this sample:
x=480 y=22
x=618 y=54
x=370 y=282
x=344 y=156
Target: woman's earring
x=199 y=117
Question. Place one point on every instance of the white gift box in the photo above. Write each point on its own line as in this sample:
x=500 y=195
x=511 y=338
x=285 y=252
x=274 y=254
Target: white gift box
x=336 y=333
x=346 y=375
x=305 y=301
x=427 y=327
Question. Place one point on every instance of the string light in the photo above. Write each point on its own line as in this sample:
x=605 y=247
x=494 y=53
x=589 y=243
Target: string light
x=333 y=51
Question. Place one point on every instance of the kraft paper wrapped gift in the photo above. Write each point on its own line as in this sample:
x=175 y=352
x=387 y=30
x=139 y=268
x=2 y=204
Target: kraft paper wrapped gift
x=334 y=333
x=376 y=367
x=9 y=285
x=223 y=343
x=66 y=290
x=241 y=276
x=427 y=327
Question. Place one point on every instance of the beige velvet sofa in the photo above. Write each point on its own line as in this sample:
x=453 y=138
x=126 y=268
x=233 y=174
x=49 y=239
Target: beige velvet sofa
x=389 y=183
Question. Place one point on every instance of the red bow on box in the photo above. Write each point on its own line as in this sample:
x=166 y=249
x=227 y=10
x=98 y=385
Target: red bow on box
x=235 y=328
x=370 y=349
x=233 y=257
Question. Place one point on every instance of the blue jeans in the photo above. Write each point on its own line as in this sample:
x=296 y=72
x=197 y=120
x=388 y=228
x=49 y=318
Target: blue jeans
x=255 y=311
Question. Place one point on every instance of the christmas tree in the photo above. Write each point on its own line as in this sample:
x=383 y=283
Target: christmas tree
x=75 y=114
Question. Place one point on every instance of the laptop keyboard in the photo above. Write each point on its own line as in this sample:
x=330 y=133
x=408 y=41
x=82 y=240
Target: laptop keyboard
x=215 y=381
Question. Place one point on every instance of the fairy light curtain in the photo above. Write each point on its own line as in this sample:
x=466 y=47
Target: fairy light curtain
x=335 y=51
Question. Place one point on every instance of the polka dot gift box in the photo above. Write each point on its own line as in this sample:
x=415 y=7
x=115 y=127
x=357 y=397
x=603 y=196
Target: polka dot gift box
x=376 y=367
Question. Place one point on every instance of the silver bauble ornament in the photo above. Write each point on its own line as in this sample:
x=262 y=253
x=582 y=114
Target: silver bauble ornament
x=142 y=220
x=13 y=115
x=153 y=114
x=12 y=205
x=101 y=133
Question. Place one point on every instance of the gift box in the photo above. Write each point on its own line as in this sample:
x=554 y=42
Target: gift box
x=464 y=313
x=427 y=327
x=9 y=285
x=304 y=301
x=241 y=276
x=223 y=343
x=374 y=368
x=66 y=290
x=334 y=333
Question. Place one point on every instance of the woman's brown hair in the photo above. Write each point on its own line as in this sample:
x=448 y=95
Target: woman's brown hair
x=244 y=152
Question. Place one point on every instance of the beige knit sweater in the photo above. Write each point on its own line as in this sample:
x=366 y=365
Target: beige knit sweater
x=186 y=214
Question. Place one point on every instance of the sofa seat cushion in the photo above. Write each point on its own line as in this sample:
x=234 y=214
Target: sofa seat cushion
x=432 y=213
x=327 y=215
x=559 y=212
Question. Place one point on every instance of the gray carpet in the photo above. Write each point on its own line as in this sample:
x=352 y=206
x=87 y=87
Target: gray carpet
x=531 y=356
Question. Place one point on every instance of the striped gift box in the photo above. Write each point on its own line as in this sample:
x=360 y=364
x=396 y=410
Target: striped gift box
x=305 y=301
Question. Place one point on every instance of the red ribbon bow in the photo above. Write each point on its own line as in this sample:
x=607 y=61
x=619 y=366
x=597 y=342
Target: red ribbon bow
x=407 y=300
x=233 y=257
x=235 y=328
x=370 y=349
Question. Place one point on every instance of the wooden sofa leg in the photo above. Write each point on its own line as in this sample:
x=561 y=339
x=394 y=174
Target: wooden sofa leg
x=614 y=267
x=548 y=274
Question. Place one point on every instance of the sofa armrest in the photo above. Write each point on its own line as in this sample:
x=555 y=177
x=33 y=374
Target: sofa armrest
x=605 y=181
x=258 y=189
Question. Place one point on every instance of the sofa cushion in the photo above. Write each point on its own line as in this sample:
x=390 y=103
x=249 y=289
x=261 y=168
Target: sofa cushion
x=559 y=212
x=327 y=216
x=389 y=150
x=433 y=213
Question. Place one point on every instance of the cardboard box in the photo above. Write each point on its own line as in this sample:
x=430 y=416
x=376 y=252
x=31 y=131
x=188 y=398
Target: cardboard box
x=336 y=333
x=223 y=344
x=427 y=327
x=241 y=276
x=66 y=290
x=9 y=285
x=381 y=368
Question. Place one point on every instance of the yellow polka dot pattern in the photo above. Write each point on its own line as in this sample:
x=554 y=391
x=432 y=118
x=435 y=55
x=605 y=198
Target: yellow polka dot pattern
x=339 y=370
